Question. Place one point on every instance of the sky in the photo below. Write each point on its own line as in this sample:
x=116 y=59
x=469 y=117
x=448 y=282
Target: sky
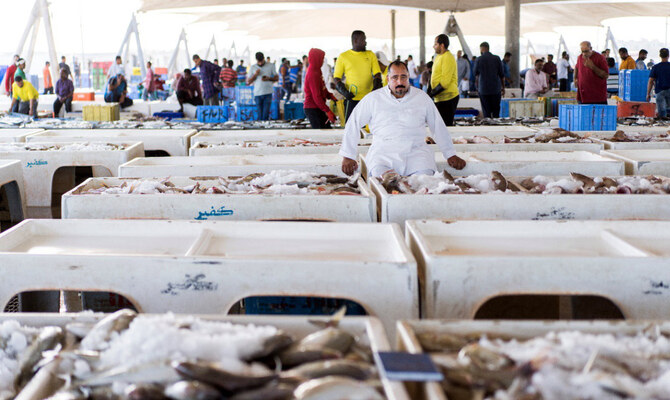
x=96 y=28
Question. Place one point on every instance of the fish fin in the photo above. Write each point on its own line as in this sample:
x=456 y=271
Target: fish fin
x=333 y=322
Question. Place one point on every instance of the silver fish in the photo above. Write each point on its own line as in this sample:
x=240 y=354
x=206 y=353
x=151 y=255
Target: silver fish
x=336 y=388
x=320 y=369
x=192 y=390
x=214 y=374
x=116 y=322
x=49 y=338
x=145 y=391
x=272 y=391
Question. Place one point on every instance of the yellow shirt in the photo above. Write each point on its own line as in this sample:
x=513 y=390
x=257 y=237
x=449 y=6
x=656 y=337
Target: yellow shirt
x=25 y=93
x=628 y=63
x=358 y=67
x=445 y=73
x=385 y=76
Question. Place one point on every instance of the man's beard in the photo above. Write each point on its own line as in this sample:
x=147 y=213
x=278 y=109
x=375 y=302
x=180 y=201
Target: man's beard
x=400 y=90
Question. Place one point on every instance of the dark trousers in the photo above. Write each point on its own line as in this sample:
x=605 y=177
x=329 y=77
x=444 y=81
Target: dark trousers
x=59 y=104
x=183 y=97
x=349 y=106
x=317 y=118
x=111 y=98
x=490 y=105
x=24 y=108
x=49 y=90
x=563 y=85
x=447 y=110
x=263 y=106
x=288 y=88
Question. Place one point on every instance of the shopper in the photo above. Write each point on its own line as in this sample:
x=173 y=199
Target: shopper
x=24 y=97
x=209 y=74
x=228 y=79
x=549 y=68
x=361 y=70
x=241 y=73
x=63 y=65
x=627 y=61
x=563 y=68
x=188 y=90
x=413 y=72
x=285 y=78
x=383 y=66
x=149 y=84
x=488 y=71
x=20 y=69
x=444 y=80
x=591 y=72
x=463 y=73
x=659 y=78
x=117 y=91
x=64 y=93
x=536 y=82
x=639 y=63
x=507 y=72
x=116 y=68
x=9 y=75
x=46 y=76
x=263 y=76
x=316 y=110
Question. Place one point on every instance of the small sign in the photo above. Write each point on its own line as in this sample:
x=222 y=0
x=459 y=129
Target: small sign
x=397 y=366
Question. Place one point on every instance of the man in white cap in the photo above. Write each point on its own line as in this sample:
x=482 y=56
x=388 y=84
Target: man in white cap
x=383 y=66
x=397 y=115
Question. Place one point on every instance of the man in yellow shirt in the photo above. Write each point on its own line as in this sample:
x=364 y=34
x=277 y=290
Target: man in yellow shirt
x=360 y=69
x=25 y=94
x=444 y=81
x=627 y=61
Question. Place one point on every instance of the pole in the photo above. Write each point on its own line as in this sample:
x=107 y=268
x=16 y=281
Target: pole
x=422 y=37
x=46 y=19
x=512 y=33
x=392 y=34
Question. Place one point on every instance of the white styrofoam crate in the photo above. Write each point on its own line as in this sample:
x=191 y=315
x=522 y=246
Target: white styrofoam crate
x=230 y=148
x=463 y=264
x=11 y=175
x=530 y=163
x=230 y=165
x=642 y=162
x=39 y=166
x=17 y=135
x=399 y=208
x=478 y=147
x=368 y=330
x=267 y=135
x=341 y=208
x=610 y=145
x=407 y=337
x=208 y=266
x=509 y=130
x=173 y=141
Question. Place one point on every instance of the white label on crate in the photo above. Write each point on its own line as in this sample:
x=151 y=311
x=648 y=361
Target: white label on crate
x=212 y=212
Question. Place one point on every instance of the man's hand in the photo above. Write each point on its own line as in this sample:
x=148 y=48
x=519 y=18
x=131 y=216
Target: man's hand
x=648 y=97
x=349 y=166
x=502 y=93
x=265 y=78
x=331 y=117
x=588 y=63
x=456 y=162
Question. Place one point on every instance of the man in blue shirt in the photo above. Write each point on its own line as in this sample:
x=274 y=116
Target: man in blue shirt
x=491 y=81
x=659 y=76
x=117 y=91
x=241 y=73
x=209 y=73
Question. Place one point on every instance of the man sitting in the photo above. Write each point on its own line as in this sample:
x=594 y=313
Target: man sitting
x=397 y=115
x=188 y=90
x=64 y=92
x=25 y=95
x=117 y=91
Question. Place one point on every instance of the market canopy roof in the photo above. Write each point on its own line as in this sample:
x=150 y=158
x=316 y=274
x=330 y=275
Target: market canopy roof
x=321 y=22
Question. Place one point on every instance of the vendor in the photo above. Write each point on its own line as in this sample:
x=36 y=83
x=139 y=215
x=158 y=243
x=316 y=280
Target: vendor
x=25 y=95
x=397 y=115
x=117 y=91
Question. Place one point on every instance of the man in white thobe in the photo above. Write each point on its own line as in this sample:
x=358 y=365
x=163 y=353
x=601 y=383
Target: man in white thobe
x=397 y=115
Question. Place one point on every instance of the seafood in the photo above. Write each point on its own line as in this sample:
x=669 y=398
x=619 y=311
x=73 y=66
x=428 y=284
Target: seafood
x=577 y=183
x=275 y=182
x=192 y=390
x=295 y=142
x=84 y=146
x=336 y=388
x=621 y=136
x=50 y=338
x=103 y=330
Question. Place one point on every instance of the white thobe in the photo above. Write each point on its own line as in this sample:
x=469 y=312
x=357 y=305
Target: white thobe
x=398 y=128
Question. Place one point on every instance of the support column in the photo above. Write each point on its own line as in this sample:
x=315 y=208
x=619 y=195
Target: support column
x=422 y=37
x=512 y=33
x=393 y=54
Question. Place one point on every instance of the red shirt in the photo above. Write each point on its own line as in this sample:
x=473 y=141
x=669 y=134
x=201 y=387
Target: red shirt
x=11 y=70
x=228 y=77
x=591 y=88
x=315 y=89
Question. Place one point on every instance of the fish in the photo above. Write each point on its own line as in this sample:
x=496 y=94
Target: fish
x=336 y=388
x=320 y=369
x=271 y=391
x=272 y=345
x=68 y=394
x=145 y=391
x=145 y=373
x=587 y=181
x=214 y=374
x=192 y=390
x=443 y=341
x=499 y=181
x=484 y=358
x=49 y=338
x=102 y=331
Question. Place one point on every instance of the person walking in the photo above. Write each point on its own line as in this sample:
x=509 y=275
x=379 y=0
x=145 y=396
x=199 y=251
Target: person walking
x=9 y=75
x=563 y=68
x=228 y=79
x=639 y=63
x=659 y=79
x=491 y=81
x=463 y=73
x=361 y=69
x=413 y=72
x=46 y=76
x=263 y=76
x=149 y=84
x=444 y=80
x=506 y=69
x=63 y=65
x=591 y=73
x=209 y=74
x=316 y=95
x=64 y=93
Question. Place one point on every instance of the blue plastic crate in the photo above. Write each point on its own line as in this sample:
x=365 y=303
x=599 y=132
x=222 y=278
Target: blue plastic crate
x=168 y=115
x=587 y=117
x=3 y=71
x=245 y=113
x=633 y=84
x=244 y=95
x=299 y=305
x=555 y=103
x=274 y=110
x=504 y=106
x=293 y=110
x=466 y=113
x=212 y=114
